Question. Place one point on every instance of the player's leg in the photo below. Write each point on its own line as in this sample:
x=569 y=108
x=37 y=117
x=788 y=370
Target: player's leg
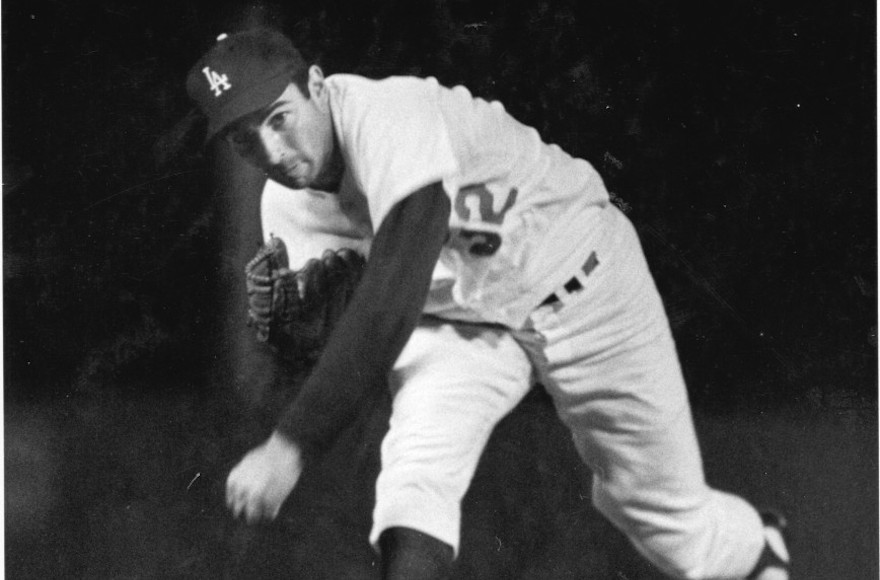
x=452 y=384
x=409 y=554
x=608 y=358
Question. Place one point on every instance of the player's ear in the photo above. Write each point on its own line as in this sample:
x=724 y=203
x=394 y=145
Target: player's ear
x=317 y=88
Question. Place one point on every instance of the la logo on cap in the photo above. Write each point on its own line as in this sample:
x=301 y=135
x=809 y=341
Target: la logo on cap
x=218 y=82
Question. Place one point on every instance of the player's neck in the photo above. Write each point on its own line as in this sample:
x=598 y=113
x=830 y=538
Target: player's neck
x=330 y=179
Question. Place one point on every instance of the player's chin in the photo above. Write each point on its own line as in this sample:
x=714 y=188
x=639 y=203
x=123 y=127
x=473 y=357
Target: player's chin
x=291 y=181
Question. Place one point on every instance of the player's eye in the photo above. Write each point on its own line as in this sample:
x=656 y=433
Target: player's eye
x=239 y=138
x=243 y=142
x=277 y=120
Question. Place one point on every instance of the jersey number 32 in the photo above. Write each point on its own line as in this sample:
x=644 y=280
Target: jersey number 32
x=483 y=241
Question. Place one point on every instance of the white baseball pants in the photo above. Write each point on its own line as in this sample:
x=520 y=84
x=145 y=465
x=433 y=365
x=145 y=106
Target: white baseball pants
x=606 y=355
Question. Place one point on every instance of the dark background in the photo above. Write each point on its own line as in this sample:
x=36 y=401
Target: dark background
x=740 y=138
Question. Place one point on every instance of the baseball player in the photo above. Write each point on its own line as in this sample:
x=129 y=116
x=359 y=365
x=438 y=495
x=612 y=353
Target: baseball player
x=474 y=219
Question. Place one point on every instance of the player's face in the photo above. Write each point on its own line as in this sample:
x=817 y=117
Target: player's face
x=292 y=139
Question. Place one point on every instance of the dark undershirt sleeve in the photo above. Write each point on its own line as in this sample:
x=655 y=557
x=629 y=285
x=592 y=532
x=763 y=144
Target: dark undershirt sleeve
x=377 y=323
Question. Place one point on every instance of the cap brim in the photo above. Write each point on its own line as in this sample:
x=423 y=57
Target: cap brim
x=254 y=99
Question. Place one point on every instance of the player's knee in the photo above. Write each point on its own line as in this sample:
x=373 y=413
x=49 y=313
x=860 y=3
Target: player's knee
x=437 y=459
x=682 y=565
x=615 y=502
x=422 y=502
x=667 y=542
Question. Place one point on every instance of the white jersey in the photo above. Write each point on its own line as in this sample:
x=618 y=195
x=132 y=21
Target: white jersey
x=521 y=208
x=309 y=222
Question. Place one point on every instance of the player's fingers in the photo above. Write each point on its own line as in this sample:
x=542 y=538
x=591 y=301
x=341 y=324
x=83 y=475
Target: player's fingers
x=304 y=276
x=253 y=511
x=230 y=490
x=233 y=485
x=242 y=501
x=235 y=500
x=352 y=266
x=334 y=266
x=351 y=260
x=315 y=275
x=330 y=258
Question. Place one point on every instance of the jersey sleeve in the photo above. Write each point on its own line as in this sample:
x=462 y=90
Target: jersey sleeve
x=396 y=140
x=372 y=331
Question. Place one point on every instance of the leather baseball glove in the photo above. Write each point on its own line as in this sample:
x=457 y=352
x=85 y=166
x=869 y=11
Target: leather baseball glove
x=295 y=310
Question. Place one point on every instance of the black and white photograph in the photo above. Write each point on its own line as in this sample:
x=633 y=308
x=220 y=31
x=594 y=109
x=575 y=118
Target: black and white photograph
x=440 y=290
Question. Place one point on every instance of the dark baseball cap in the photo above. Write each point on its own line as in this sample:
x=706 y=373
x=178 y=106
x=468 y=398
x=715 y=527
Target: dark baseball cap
x=241 y=73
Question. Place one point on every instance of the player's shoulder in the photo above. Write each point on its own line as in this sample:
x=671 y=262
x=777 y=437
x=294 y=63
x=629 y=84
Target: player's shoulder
x=358 y=91
x=365 y=108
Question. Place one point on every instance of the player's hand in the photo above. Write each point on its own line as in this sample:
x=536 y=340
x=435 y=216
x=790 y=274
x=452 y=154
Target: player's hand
x=262 y=480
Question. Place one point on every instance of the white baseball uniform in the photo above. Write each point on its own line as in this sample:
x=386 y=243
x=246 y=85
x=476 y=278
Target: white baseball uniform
x=536 y=248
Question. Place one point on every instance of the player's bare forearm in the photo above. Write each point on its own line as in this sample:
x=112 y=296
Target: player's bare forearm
x=377 y=323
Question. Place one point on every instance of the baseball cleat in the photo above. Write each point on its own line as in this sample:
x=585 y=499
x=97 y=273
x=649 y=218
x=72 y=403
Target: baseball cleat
x=774 y=562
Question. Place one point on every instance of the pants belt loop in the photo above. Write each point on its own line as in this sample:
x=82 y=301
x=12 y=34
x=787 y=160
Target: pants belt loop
x=575 y=284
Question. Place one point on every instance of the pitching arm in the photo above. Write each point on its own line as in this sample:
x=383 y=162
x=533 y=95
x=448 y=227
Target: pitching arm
x=377 y=323
x=362 y=348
